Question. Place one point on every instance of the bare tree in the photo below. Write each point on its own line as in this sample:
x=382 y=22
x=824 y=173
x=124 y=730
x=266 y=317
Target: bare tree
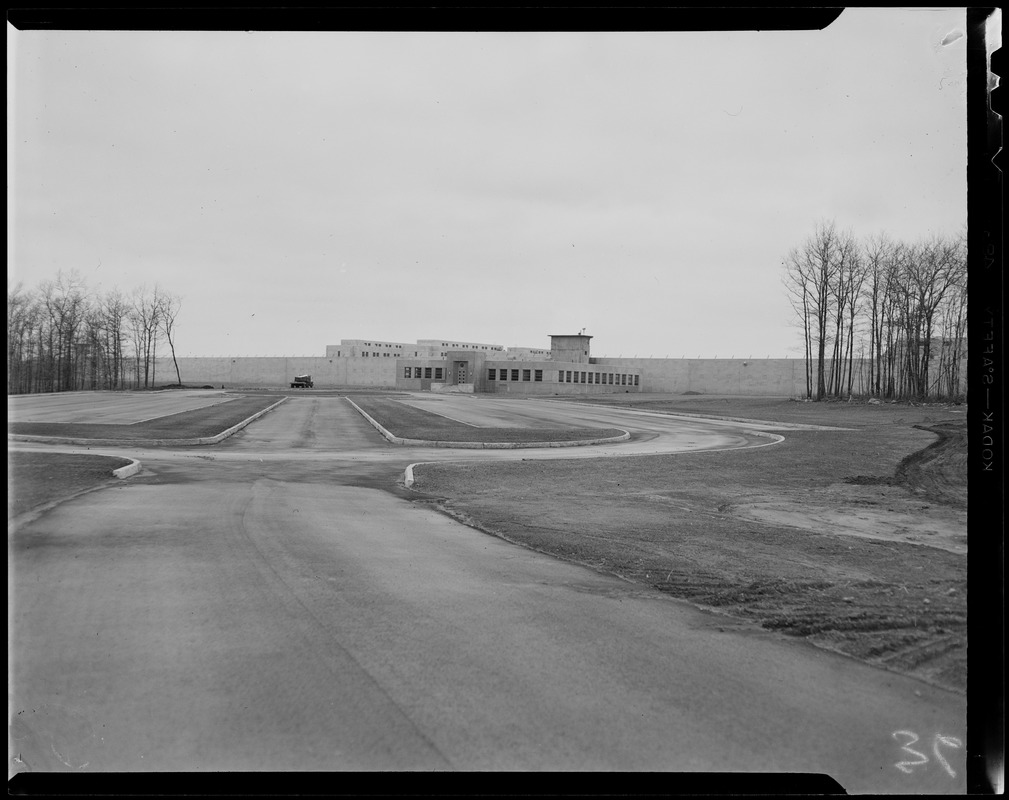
x=115 y=311
x=910 y=298
x=170 y=306
x=876 y=254
x=856 y=270
x=22 y=321
x=799 y=286
x=811 y=271
x=144 y=319
x=62 y=337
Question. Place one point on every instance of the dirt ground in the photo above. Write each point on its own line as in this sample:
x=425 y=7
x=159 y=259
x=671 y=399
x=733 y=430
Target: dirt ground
x=854 y=539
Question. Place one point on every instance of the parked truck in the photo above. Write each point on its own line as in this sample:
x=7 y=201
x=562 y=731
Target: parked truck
x=302 y=382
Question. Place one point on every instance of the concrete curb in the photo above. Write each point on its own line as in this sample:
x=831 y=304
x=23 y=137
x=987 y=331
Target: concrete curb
x=17 y=437
x=408 y=478
x=482 y=445
x=130 y=469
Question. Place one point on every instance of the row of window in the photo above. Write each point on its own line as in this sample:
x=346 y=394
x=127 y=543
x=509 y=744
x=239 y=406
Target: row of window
x=565 y=376
x=609 y=378
x=527 y=374
x=415 y=372
x=472 y=346
x=374 y=355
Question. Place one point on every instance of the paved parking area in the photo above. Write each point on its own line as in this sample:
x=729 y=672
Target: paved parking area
x=109 y=408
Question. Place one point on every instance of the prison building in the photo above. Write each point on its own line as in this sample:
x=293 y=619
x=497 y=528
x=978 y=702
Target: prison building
x=568 y=370
x=422 y=348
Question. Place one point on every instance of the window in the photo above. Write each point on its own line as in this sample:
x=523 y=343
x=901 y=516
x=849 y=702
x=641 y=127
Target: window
x=515 y=374
x=636 y=379
x=527 y=374
x=492 y=374
x=597 y=377
x=427 y=372
x=583 y=377
x=569 y=375
x=438 y=373
x=623 y=380
x=560 y=376
x=407 y=372
x=538 y=375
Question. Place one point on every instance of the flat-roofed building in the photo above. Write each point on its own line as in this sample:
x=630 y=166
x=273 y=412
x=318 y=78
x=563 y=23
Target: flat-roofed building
x=527 y=354
x=565 y=369
x=367 y=348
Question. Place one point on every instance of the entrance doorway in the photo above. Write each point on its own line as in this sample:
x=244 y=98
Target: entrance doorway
x=460 y=372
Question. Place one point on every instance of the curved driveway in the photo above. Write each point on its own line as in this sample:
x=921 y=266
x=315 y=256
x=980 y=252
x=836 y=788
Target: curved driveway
x=275 y=603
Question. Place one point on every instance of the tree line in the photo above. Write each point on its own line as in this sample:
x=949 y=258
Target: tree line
x=62 y=337
x=880 y=317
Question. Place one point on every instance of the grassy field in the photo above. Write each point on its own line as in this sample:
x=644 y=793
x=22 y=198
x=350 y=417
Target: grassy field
x=855 y=540
x=408 y=422
x=37 y=478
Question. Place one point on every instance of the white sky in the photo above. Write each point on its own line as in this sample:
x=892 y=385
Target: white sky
x=299 y=188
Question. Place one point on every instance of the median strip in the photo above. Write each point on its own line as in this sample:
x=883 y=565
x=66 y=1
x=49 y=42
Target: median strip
x=191 y=428
x=432 y=430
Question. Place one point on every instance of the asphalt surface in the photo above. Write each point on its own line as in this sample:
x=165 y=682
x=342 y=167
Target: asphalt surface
x=276 y=603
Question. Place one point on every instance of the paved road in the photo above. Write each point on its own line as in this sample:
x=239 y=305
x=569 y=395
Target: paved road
x=274 y=603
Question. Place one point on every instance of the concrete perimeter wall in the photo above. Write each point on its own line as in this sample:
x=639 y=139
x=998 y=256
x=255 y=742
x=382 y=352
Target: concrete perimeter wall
x=771 y=376
x=775 y=376
x=267 y=371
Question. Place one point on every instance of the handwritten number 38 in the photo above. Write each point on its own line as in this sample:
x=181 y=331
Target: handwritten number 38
x=907 y=766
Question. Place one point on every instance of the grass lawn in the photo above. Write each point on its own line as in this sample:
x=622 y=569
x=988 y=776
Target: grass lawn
x=38 y=478
x=408 y=422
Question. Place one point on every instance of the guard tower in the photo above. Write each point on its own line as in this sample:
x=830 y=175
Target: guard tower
x=573 y=349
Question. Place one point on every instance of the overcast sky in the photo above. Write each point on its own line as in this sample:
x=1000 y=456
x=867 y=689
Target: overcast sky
x=299 y=188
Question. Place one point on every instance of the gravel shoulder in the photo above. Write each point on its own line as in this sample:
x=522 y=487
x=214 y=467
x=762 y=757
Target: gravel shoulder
x=855 y=539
